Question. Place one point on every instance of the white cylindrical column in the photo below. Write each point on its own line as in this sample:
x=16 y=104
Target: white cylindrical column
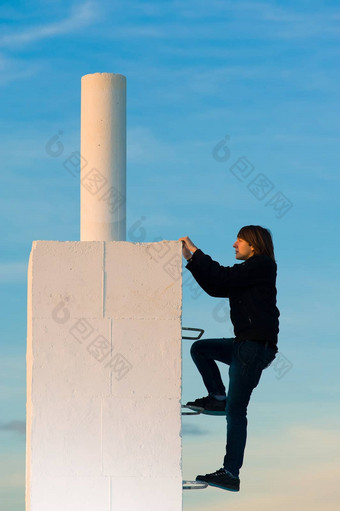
x=103 y=157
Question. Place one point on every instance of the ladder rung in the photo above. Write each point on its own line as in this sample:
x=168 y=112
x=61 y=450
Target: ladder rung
x=192 y=412
x=194 y=485
x=195 y=330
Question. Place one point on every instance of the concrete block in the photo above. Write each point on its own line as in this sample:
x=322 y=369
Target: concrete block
x=141 y=437
x=65 y=439
x=152 y=358
x=146 y=493
x=71 y=493
x=65 y=359
x=69 y=271
x=150 y=285
x=64 y=399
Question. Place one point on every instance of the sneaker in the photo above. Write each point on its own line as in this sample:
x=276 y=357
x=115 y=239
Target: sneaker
x=208 y=405
x=221 y=479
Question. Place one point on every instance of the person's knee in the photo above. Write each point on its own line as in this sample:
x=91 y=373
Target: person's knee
x=195 y=347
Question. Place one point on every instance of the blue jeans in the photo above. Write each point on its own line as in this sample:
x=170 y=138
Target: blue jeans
x=246 y=360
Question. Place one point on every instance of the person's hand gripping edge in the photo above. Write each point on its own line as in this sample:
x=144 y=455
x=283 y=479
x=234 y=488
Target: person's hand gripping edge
x=188 y=247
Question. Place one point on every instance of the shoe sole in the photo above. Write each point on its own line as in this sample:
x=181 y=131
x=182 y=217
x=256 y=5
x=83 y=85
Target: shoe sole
x=205 y=412
x=217 y=486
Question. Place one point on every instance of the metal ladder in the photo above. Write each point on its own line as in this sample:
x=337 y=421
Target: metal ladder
x=193 y=485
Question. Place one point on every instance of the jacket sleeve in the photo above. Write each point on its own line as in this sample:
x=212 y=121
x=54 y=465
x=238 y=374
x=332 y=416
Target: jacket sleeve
x=218 y=280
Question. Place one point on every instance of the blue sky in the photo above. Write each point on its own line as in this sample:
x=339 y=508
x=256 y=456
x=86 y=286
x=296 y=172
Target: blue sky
x=266 y=76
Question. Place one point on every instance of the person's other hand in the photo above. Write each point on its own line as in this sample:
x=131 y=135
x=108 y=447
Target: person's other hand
x=187 y=247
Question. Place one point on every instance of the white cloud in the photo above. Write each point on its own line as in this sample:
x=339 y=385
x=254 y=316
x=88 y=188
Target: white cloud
x=80 y=17
x=229 y=18
x=12 y=69
x=15 y=426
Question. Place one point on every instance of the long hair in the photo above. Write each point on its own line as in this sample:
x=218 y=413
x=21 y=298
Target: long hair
x=259 y=238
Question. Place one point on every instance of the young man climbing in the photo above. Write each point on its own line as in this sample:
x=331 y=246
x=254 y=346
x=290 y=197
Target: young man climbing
x=251 y=289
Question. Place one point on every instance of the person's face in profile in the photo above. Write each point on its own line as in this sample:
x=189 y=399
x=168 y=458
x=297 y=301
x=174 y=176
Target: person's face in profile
x=242 y=249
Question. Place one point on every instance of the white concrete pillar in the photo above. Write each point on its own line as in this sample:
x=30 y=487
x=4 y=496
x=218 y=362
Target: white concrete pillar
x=103 y=157
x=104 y=376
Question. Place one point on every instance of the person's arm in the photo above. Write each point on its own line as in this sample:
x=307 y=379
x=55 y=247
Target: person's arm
x=218 y=280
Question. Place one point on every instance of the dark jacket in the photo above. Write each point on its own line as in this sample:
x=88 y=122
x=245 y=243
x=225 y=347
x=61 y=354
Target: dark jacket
x=250 y=287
